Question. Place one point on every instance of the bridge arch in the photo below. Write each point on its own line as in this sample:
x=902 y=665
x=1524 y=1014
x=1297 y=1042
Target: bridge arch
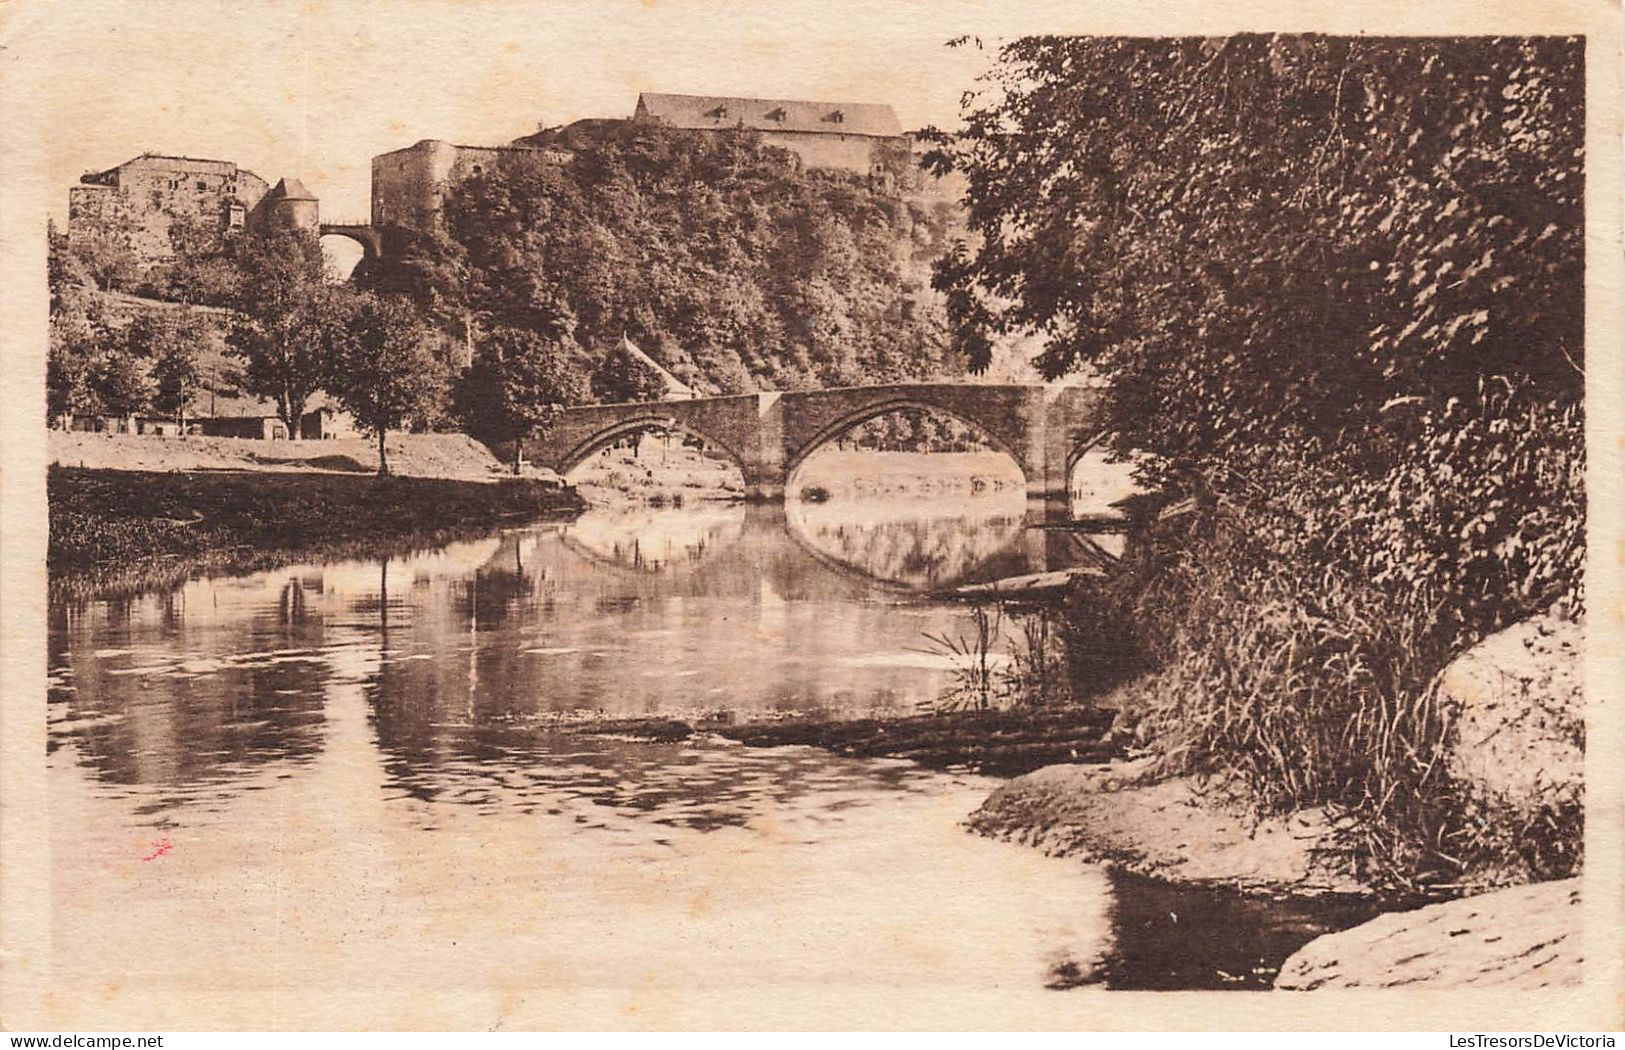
x=599 y=440
x=364 y=234
x=900 y=403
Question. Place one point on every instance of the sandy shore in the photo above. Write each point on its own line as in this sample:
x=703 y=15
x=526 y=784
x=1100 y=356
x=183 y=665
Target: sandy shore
x=1173 y=829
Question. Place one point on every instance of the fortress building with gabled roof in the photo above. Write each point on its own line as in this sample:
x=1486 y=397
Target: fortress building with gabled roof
x=860 y=137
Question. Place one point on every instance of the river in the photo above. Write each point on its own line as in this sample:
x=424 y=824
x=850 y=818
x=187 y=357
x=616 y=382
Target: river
x=343 y=791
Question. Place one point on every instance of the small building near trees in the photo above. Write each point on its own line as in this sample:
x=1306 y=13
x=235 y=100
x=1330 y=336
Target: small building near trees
x=627 y=355
x=247 y=417
x=226 y=415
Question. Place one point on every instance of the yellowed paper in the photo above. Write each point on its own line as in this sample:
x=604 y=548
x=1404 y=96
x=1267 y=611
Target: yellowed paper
x=306 y=856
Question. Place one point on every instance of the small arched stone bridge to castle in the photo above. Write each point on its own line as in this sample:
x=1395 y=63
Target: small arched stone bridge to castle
x=769 y=435
x=370 y=237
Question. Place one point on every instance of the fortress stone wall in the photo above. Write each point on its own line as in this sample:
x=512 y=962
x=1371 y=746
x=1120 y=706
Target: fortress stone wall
x=140 y=204
x=409 y=186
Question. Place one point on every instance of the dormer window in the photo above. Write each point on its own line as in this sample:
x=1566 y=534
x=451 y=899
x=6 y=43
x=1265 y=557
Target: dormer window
x=720 y=113
x=836 y=117
x=777 y=114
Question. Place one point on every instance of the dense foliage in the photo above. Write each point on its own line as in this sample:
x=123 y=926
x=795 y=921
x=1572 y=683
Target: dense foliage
x=120 y=531
x=1262 y=238
x=621 y=378
x=713 y=253
x=1334 y=287
x=98 y=363
x=290 y=321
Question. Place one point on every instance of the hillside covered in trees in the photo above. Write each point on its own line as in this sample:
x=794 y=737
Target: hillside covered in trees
x=714 y=254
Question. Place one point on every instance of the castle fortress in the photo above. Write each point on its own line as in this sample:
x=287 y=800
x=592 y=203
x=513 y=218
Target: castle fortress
x=409 y=186
x=144 y=203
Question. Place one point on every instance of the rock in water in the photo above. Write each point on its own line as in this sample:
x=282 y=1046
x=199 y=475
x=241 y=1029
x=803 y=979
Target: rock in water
x=1523 y=937
x=1520 y=715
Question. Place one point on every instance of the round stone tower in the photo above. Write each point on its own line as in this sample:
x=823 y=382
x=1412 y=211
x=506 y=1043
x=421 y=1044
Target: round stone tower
x=290 y=206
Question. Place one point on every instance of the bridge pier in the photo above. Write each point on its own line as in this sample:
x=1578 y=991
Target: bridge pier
x=763 y=465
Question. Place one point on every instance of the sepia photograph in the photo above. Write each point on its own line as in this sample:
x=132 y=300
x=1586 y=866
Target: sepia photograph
x=769 y=516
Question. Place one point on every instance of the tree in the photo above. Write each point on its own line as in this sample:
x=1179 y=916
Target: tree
x=1333 y=289
x=106 y=253
x=710 y=252
x=288 y=322
x=122 y=382
x=1260 y=239
x=202 y=268
x=171 y=341
x=68 y=375
x=79 y=334
x=383 y=372
x=176 y=366
x=516 y=385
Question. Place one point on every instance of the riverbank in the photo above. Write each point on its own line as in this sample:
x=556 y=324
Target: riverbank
x=659 y=472
x=410 y=455
x=1123 y=815
x=1514 y=758
x=115 y=530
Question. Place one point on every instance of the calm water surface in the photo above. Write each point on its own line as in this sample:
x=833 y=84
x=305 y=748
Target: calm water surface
x=340 y=790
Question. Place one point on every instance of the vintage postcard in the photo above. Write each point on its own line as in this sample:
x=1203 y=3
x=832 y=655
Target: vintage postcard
x=522 y=514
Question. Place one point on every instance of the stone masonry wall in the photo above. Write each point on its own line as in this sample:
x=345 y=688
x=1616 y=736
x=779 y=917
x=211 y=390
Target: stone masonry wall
x=138 y=204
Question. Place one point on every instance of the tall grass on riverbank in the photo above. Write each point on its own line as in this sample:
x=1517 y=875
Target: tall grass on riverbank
x=1030 y=657
x=1298 y=631
x=976 y=683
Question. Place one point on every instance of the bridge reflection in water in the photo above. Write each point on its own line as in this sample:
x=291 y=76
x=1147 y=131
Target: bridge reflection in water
x=906 y=545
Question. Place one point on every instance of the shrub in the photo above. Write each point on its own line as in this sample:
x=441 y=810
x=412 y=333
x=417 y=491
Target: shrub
x=1299 y=629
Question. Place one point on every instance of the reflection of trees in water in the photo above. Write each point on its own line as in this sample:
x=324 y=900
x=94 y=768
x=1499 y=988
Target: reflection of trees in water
x=292 y=608
x=428 y=715
x=192 y=727
x=448 y=640
x=487 y=596
x=423 y=710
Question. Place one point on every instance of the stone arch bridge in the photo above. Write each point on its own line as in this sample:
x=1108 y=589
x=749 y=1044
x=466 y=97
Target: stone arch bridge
x=769 y=435
x=370 y=237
